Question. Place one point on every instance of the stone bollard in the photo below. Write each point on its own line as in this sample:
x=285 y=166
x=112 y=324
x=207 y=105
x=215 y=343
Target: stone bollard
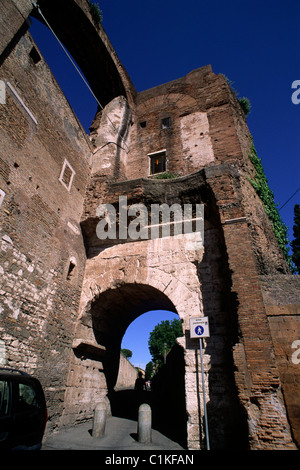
x=99 y=422
x=144 y=424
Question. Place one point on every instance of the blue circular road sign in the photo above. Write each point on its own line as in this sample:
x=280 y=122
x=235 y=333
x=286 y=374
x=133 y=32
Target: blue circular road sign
x=199 y=330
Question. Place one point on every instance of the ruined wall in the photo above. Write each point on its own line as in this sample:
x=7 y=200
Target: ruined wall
x=257 y=374
x=45 y=163
x=44 y=167
x=222 y=281
x=127 y=374
x=205 y=127
x=281 y=296
x=52 y=180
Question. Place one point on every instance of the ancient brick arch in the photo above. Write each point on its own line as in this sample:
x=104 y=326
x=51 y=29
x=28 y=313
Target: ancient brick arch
x=88 y=44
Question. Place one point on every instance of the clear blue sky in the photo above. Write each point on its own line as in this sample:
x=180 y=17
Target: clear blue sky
x=255 y=43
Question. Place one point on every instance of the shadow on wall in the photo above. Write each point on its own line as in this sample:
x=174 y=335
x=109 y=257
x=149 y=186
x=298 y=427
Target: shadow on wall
x=227 y=418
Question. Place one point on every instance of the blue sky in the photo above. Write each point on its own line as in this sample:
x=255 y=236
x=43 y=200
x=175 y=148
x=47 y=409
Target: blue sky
x=255 y=43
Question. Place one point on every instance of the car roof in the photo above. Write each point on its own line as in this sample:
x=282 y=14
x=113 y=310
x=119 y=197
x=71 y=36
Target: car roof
x=17 y=375
x=11 y=371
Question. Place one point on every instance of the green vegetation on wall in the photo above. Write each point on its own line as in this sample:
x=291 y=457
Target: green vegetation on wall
x=95 y=12
x=166 y=175
x=295 y=244
x=260 y=184
x=244 y=102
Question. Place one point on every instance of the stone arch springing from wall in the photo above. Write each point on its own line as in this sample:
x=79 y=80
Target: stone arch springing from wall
x=100 y=329
x=90 y=47
x=114 y=311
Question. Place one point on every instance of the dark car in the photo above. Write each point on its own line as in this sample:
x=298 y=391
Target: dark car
x=23 y=412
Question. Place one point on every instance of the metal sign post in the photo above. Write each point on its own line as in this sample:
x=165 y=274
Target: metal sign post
x=199 y=328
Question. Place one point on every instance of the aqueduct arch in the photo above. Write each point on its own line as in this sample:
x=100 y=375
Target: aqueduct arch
x=88 y=43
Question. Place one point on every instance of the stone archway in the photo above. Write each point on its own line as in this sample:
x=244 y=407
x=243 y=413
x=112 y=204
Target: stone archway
x=121 y=283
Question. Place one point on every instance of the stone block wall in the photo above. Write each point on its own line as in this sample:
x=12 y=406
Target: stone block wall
x=127 y=374
x=281 y=296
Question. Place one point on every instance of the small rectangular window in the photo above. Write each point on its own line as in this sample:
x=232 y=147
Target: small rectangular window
x=166 y=123
x=157 y=162
x=67 y=175
x=34 y=55
x=27 y=397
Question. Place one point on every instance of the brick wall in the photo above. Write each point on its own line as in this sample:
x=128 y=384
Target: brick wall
x=257 y=374
x=282 y=300
x=42 y=254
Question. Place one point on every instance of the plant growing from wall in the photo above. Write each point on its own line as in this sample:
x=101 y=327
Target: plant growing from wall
x=244 y=102
x=95 y=12
x=166 y=175
x=295 y=244
x=261 y=186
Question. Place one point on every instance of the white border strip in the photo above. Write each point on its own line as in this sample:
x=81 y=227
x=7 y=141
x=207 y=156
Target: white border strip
x=21 y=102
x=2 y=196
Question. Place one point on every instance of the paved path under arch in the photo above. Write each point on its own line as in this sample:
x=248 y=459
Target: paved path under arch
x=120 y=434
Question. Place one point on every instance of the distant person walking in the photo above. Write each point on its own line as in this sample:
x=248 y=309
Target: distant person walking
x=140 y=383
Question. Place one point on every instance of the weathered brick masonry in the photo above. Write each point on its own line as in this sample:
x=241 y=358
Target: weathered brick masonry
x=67 y=297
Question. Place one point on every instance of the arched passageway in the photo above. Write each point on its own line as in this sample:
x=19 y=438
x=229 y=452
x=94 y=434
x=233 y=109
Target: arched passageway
x=95 y=367
x=114 y=310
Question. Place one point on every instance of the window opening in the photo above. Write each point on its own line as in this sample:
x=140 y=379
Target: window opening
x=34 y=55
x=157 y=162
x=166 y=123
x=71 y=269
x=67 y=175
x=143 y=124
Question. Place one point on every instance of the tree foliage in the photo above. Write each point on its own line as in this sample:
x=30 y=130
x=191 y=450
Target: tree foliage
x=149 y=370
x=165 y=333
x=244 y=101
x=295 y=244
x=126 y=352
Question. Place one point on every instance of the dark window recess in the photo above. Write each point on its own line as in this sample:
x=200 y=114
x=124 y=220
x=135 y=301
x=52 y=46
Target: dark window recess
x=143 y=124
x=157 y=163
x=166 y=123
x=34 y=55
x=72 y=266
